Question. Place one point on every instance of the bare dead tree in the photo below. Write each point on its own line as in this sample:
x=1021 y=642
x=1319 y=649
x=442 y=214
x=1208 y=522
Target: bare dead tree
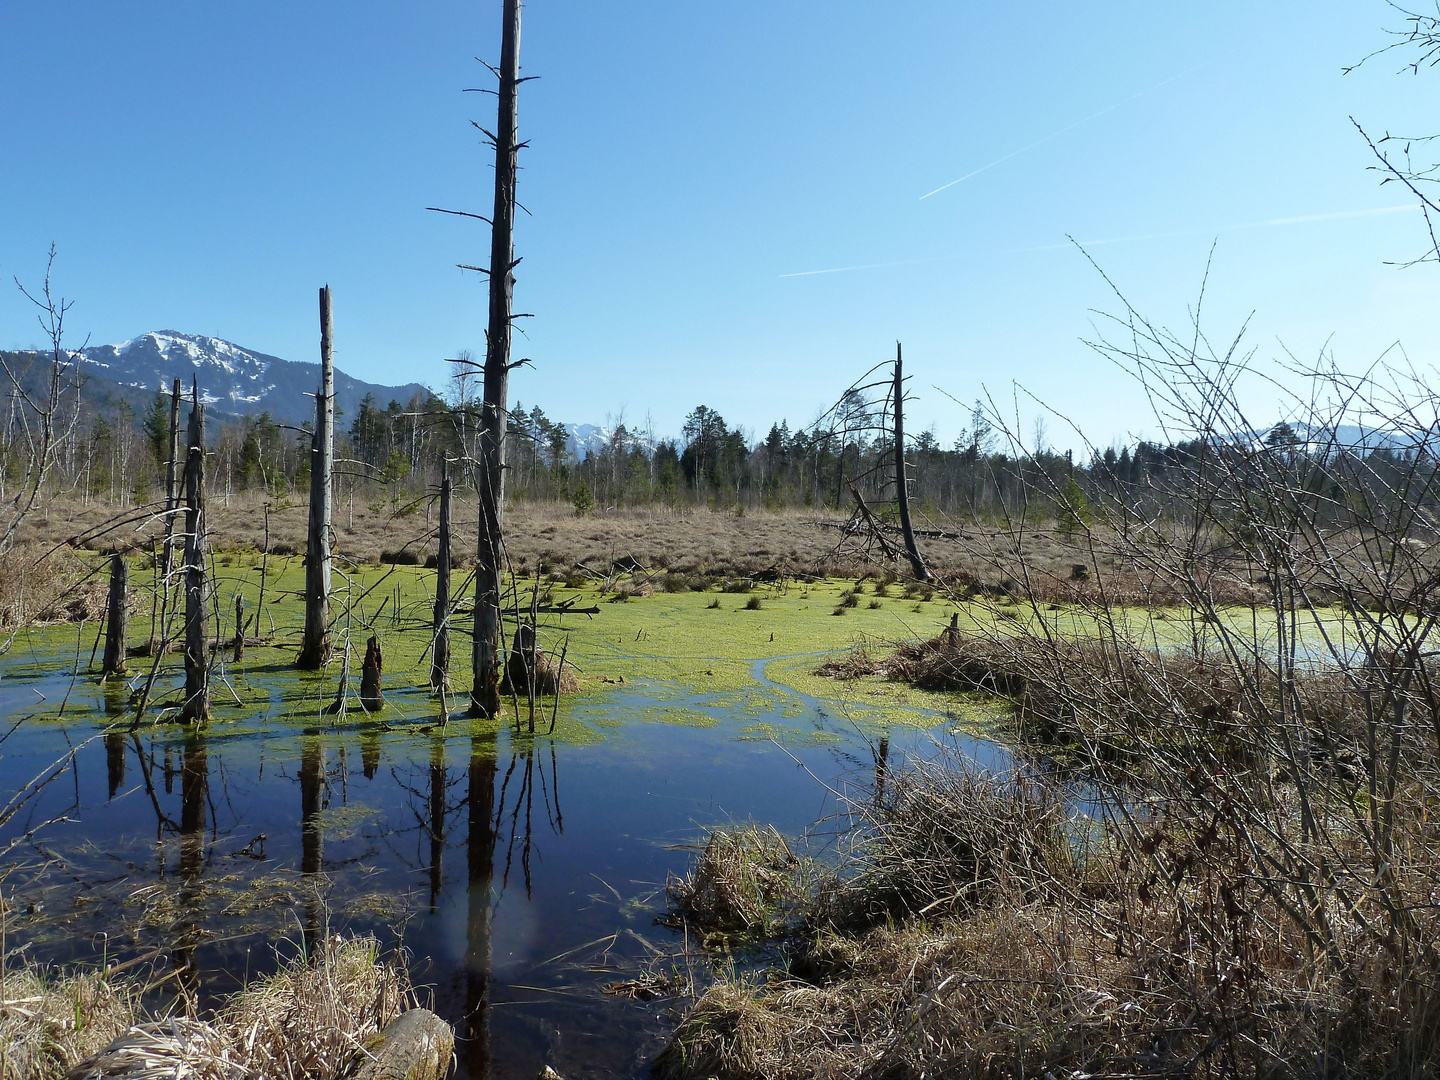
x=490 y=473
x=902 y=484
x=172 y=500
x=49 y=411
x=196 y=708
x=440 y=649
x=315 y=646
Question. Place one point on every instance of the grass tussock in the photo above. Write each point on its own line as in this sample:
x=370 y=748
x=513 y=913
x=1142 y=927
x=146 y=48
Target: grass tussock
x=747 y=885
x=304 y=1021
x=1126 y=702
x=49 y=1023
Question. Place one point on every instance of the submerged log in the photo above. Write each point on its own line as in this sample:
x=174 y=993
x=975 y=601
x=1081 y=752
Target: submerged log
x=371 y=699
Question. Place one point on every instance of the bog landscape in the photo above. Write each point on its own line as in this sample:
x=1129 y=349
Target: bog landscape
x=352 y=729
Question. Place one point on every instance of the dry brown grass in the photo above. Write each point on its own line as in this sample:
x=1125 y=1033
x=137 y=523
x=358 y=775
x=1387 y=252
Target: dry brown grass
x=747 y=884
x=305 y=1021
x=49 y=1024
x=670 y=543
x=1136 y=702
x=43 y=585
x=1066 y=951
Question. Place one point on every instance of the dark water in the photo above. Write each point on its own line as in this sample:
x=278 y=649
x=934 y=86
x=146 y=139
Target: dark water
x=523 y=875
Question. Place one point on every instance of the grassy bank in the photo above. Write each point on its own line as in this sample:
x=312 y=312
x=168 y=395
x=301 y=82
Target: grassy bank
x=979 y=926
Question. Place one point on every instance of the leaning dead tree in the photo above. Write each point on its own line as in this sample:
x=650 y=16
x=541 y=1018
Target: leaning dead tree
x=490 y=478
x=196 y=708
x=315 y=646
x=861 y=413
x=902 y=483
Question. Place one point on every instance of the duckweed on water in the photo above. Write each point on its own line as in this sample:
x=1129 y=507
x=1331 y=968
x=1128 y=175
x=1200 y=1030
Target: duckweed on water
x=696 y=660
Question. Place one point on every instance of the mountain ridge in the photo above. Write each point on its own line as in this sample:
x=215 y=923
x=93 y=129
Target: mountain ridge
x=232 y=379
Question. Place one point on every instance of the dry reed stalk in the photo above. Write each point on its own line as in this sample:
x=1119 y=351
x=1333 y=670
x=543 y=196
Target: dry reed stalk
x=304 y=1021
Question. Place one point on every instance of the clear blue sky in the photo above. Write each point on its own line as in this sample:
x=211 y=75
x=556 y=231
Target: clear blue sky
x=204 y=167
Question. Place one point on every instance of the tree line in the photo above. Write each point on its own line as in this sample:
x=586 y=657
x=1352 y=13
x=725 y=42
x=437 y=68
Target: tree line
x=115 y=453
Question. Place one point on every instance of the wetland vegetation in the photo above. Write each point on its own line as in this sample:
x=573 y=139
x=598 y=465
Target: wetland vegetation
x=1024 y=766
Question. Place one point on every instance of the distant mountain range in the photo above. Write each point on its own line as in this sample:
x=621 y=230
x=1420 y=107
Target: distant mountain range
x=232 y=380
x=238 y=382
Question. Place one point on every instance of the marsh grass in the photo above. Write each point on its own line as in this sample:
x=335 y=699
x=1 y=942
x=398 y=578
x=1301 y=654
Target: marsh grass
x=307 y=1020
x=747 y=885
x=976 y=925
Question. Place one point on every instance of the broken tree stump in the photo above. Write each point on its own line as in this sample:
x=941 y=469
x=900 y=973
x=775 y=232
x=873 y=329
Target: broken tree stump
x=371 y=699
x=116 y=614
x=196 y=709
x=239 y=628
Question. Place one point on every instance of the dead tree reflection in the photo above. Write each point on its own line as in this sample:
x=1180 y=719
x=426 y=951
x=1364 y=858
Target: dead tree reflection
x=115 y=761
x=437 y=818
x=521 y=834
x=312 y=838
x=194 y=796
x=370 y=753
x=480 y=876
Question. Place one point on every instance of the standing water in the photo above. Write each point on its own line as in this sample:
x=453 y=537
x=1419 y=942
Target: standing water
x=523 y=875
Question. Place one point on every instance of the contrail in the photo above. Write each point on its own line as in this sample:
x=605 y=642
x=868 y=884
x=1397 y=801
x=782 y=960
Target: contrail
x=1072 y=126
x=1303 y=219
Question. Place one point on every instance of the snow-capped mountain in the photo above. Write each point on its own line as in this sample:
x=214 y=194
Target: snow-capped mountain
x=586 y=439
x=231 y=379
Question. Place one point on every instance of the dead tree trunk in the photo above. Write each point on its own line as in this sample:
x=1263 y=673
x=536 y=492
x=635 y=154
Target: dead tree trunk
x=902 y=486
x=315 y=646
x=239 y=629
x=172 y=502
x=116 y=614
x=371 y=699
x=440 y=651
x=485 y=659
x=197 y=648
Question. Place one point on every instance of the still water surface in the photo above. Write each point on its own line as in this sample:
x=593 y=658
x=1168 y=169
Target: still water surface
x=523 y=875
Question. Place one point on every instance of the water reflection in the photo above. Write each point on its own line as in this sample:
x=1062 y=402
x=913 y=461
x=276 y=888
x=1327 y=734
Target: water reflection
x=480 y=877
x=516 y=909
x=312 y=838
x=194 y=796
x=115 y=761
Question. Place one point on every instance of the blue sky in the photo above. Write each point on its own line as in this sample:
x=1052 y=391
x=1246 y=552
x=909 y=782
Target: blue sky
x=204 y=167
